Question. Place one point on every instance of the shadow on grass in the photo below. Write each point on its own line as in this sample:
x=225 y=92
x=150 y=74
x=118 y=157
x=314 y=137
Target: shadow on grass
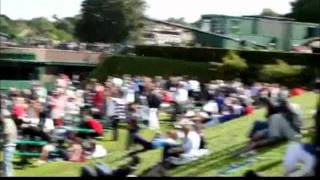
x=202 y=162
x=268 y=166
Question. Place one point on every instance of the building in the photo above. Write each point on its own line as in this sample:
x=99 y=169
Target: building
x=26 y=65
x=159 y=32
x=274 y=32
x=164 y=33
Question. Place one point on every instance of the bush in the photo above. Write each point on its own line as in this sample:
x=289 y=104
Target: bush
x=282 y=73
x=233 y=66
x=216 y=54
x=136 y=65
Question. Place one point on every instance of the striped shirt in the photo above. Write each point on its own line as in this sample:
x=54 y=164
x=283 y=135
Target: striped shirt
x=117 y=108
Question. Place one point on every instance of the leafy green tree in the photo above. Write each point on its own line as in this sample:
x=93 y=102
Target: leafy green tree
x=269 y=12
x=233 y=66
x=110 y=21
x=5 y=24
x=65 y=24
x=41 y=25
x=306 y=10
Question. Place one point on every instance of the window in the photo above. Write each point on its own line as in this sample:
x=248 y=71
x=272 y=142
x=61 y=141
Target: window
x=235 y=26
x=216 y=26
x=313 y=32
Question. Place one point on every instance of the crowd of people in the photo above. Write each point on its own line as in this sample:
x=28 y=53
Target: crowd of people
x=54 y=116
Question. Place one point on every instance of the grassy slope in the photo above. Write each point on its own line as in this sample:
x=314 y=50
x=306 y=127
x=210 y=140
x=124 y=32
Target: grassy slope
x=222 y=141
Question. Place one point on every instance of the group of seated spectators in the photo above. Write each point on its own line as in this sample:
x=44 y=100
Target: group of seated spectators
x=56 y=116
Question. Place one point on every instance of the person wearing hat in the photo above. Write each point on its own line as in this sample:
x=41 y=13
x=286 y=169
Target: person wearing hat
x=10 y=136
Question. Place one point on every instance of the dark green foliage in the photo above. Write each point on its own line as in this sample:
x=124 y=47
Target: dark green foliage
x=269 y=12
x=38 y=28
x=306 y=10
x=217 y=54
x=233 y=66
x=110 y=21
x=135 y=65
x=281 y=73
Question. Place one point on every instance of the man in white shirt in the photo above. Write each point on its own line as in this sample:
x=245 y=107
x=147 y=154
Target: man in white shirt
x=191 y=143
x=181 y=98
x=181 y=95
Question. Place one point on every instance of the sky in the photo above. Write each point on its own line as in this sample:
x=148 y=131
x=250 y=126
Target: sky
x=191 y=10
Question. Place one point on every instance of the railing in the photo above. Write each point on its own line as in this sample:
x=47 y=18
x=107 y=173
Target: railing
x=18 y=84
x=24 y=56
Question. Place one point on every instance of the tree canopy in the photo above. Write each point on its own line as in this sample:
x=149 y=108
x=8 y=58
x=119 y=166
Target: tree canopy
x=38 y=28
x=109 y=21
x=306 y=11
x=269 y=12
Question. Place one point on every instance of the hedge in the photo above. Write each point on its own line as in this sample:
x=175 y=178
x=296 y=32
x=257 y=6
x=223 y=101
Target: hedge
x=22 y=56
x=150 y=66
x=216 y=54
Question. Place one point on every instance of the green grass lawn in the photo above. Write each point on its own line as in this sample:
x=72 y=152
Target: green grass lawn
x=222 y=141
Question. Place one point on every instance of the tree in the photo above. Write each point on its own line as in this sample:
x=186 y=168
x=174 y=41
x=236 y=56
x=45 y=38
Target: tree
x=41 y=25
x=109 y=21
x=305 y=11
x=269 y=12
x=4 y=24
x=66 y=24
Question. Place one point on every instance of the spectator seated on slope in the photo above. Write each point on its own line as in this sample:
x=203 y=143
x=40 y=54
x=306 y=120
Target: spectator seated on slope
x=74 y=152
x=190 y=149
x=93 y=124
x=157 y=142
x=281 y=126
x=300 y=153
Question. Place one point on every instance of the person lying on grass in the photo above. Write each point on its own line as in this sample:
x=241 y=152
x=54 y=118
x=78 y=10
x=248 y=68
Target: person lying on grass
x=303 y=154
x=170 y=139
x=284 y=123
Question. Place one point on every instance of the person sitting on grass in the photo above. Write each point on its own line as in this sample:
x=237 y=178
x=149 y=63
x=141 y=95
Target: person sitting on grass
x=73 y=153
x=300 y=153
x=284 y=123
x=306 y=154
x=170 y=139
x=188 y=151
x=93 y=124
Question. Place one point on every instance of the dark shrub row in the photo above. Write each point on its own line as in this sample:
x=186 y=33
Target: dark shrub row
x=216 y=54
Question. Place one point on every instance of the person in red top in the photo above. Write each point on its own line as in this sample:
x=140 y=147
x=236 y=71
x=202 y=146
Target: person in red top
x=92 y=123
x=18 y=109
x=167 y=97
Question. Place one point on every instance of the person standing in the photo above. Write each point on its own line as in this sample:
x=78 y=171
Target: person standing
x=116 y=110
x=10 y=139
